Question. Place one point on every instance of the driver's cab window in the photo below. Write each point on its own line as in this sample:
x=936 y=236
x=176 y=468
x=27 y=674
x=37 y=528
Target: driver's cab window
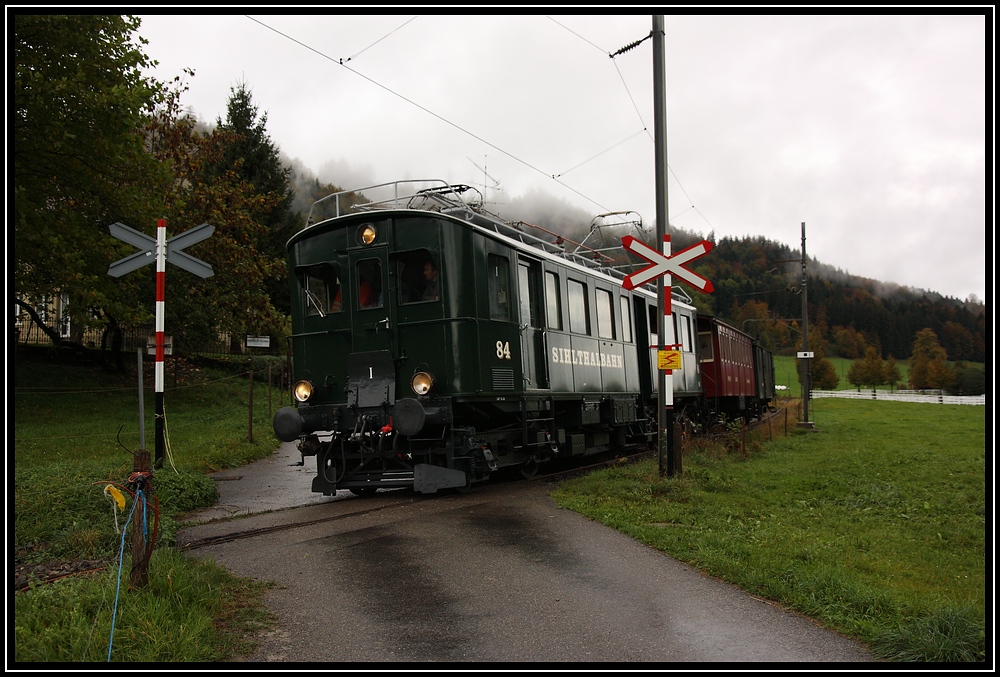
x=419 y=276
x=322 y=293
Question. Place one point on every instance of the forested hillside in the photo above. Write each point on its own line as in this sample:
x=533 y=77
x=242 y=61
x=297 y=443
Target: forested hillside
x=756 y=279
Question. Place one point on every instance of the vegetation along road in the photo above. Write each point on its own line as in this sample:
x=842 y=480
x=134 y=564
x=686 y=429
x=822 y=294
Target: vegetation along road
x=874 y=524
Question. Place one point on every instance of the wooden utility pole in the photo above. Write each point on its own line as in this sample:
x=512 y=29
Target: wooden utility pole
x=806 y=355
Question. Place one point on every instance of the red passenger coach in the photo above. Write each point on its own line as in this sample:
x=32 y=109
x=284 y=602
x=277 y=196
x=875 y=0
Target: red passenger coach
x=726 y=363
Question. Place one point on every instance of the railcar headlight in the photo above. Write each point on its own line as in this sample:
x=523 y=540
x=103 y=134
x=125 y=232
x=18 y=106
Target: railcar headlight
x=367 y=233
x=421 y=383
x=303 y=390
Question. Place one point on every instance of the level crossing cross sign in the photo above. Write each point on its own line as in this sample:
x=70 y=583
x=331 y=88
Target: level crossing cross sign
x=660 y=264
x=172 y=253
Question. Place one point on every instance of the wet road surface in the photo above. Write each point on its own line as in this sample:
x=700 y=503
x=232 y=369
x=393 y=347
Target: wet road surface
x=500 y=574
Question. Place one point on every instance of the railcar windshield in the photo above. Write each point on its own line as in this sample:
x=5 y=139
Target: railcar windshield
x=321 y=289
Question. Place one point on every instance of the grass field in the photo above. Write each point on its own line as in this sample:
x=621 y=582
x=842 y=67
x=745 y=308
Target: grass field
x=76 y=428
x=786 y=373
x=874 y=524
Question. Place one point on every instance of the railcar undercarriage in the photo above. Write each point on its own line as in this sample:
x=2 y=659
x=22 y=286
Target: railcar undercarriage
x=521 y=433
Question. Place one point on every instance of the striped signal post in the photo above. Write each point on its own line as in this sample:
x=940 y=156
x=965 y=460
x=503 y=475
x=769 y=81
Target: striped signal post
x=161 y=274
x=661 y=267
x=162 y=250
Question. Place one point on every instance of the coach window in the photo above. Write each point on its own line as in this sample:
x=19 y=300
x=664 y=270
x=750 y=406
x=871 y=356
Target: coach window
x=705 y=351
x=553 y=305
x=626 y=319
x=579 y=312
x=605 y=315
x=498 y=286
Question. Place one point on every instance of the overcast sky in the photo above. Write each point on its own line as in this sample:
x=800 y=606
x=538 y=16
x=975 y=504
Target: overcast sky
x=870 y=130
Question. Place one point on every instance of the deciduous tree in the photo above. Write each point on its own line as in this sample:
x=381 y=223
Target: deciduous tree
x=928 y=365
x=869 y=371
x=80 y=101
x=236 y=298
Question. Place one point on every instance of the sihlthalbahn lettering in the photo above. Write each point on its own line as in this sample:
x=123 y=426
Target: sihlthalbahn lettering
x=587 y=358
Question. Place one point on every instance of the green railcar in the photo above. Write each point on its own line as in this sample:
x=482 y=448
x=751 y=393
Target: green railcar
x=434 y=344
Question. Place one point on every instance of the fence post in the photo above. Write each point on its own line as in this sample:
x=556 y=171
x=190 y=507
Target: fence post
x=142 y=476
x=250 y=420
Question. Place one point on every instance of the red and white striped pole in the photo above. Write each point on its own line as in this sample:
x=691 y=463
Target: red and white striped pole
x=161 y=265
x=668 y=338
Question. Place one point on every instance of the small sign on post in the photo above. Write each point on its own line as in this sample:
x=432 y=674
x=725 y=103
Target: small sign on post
x=168 y=345
x=668 y=359
x=258 y=341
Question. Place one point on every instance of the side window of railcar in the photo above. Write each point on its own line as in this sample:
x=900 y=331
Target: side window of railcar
x=553 y=304
x=419 y=277
x=579 y=312
x=498 y=285
x=685 y=333
x=369 y=283
x=626 y=319
x=705 y=351
x=605 y=315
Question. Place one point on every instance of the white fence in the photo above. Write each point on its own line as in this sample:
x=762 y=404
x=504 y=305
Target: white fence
x=900 y=396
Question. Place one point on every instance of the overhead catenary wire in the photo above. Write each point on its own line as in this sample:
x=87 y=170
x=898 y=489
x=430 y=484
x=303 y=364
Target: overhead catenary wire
x=554 y=176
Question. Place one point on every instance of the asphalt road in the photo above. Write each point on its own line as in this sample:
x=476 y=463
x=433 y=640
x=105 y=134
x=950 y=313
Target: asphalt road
x=498 y=575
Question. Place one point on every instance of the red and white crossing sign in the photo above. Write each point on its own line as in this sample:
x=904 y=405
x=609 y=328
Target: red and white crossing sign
x=660 y=264
x=160 y=250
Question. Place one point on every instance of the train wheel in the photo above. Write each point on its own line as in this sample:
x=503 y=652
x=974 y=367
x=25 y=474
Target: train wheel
x=363 y=491
x=529 y=469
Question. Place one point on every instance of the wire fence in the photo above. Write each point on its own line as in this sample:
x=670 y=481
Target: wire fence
x=144 y=338
x=278 y=394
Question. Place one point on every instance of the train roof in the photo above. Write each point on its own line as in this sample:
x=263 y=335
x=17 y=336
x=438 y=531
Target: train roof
x=443 y=198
